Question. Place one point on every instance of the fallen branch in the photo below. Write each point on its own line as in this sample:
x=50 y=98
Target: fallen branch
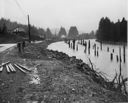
x=113 y=81
x=91 y=64
x=124 y=84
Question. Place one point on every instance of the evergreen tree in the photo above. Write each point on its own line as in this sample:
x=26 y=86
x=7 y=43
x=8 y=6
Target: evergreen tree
x=73 y=32
x=48 y=33
x=109 y=31
x=62 y=32
x=4 y=29
x=7 y=25
x=123 y=30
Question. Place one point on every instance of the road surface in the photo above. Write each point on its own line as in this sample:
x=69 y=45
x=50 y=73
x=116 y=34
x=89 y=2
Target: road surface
x=4 y=47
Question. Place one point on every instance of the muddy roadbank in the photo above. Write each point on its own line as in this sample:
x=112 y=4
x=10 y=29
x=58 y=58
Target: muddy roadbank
x=61 y=77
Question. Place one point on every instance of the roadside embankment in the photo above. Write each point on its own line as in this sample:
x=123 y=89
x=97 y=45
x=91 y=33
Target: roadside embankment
x=62 y=79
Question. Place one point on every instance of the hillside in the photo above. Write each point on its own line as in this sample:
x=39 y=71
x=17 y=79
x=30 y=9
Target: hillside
x=8 y=27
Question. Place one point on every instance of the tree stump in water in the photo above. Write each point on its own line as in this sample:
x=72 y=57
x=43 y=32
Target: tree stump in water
x=111 y=56
x=107 y=49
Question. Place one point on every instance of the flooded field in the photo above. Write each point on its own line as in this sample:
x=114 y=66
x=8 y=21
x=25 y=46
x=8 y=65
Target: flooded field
x=105 y=58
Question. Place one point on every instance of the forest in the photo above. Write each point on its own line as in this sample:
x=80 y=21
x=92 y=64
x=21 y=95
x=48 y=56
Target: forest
x=110 y=31
x=7 y=28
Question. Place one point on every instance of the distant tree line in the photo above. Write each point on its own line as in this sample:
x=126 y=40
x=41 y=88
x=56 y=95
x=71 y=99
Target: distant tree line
x=62 y=33
x=110 y=31
x=3 y=29
x=74 y=34
x=7 y=27
x=48 y=34
x=90 y=35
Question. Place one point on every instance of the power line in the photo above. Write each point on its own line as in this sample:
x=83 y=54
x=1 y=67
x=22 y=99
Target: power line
x=20 y=8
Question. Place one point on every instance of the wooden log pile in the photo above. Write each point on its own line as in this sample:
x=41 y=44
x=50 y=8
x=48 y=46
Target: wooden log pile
x=13 y=67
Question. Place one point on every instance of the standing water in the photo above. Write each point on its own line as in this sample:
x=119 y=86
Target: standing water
x=105 y=57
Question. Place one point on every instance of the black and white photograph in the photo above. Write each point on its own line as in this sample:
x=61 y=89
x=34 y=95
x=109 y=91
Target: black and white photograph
x=63 y=51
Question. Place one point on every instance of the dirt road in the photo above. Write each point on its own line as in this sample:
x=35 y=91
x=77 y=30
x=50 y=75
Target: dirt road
x=4 y=47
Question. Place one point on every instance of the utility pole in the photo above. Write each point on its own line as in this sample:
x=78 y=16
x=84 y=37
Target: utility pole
x=29 y=36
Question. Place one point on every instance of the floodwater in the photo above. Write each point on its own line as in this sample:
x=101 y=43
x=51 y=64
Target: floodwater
x=103 y=62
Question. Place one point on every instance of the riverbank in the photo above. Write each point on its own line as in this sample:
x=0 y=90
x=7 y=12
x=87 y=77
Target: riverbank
x=62 y=79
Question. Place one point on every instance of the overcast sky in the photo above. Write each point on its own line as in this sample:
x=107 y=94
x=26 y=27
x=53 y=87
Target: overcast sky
x=85 y=14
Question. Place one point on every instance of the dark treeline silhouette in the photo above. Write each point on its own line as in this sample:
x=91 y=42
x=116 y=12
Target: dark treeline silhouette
x=7 y=28
x=110 y=31
x=3 y=29
x=62 y=32
x=48 y=34
x=73 y=32
x=90 y=35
